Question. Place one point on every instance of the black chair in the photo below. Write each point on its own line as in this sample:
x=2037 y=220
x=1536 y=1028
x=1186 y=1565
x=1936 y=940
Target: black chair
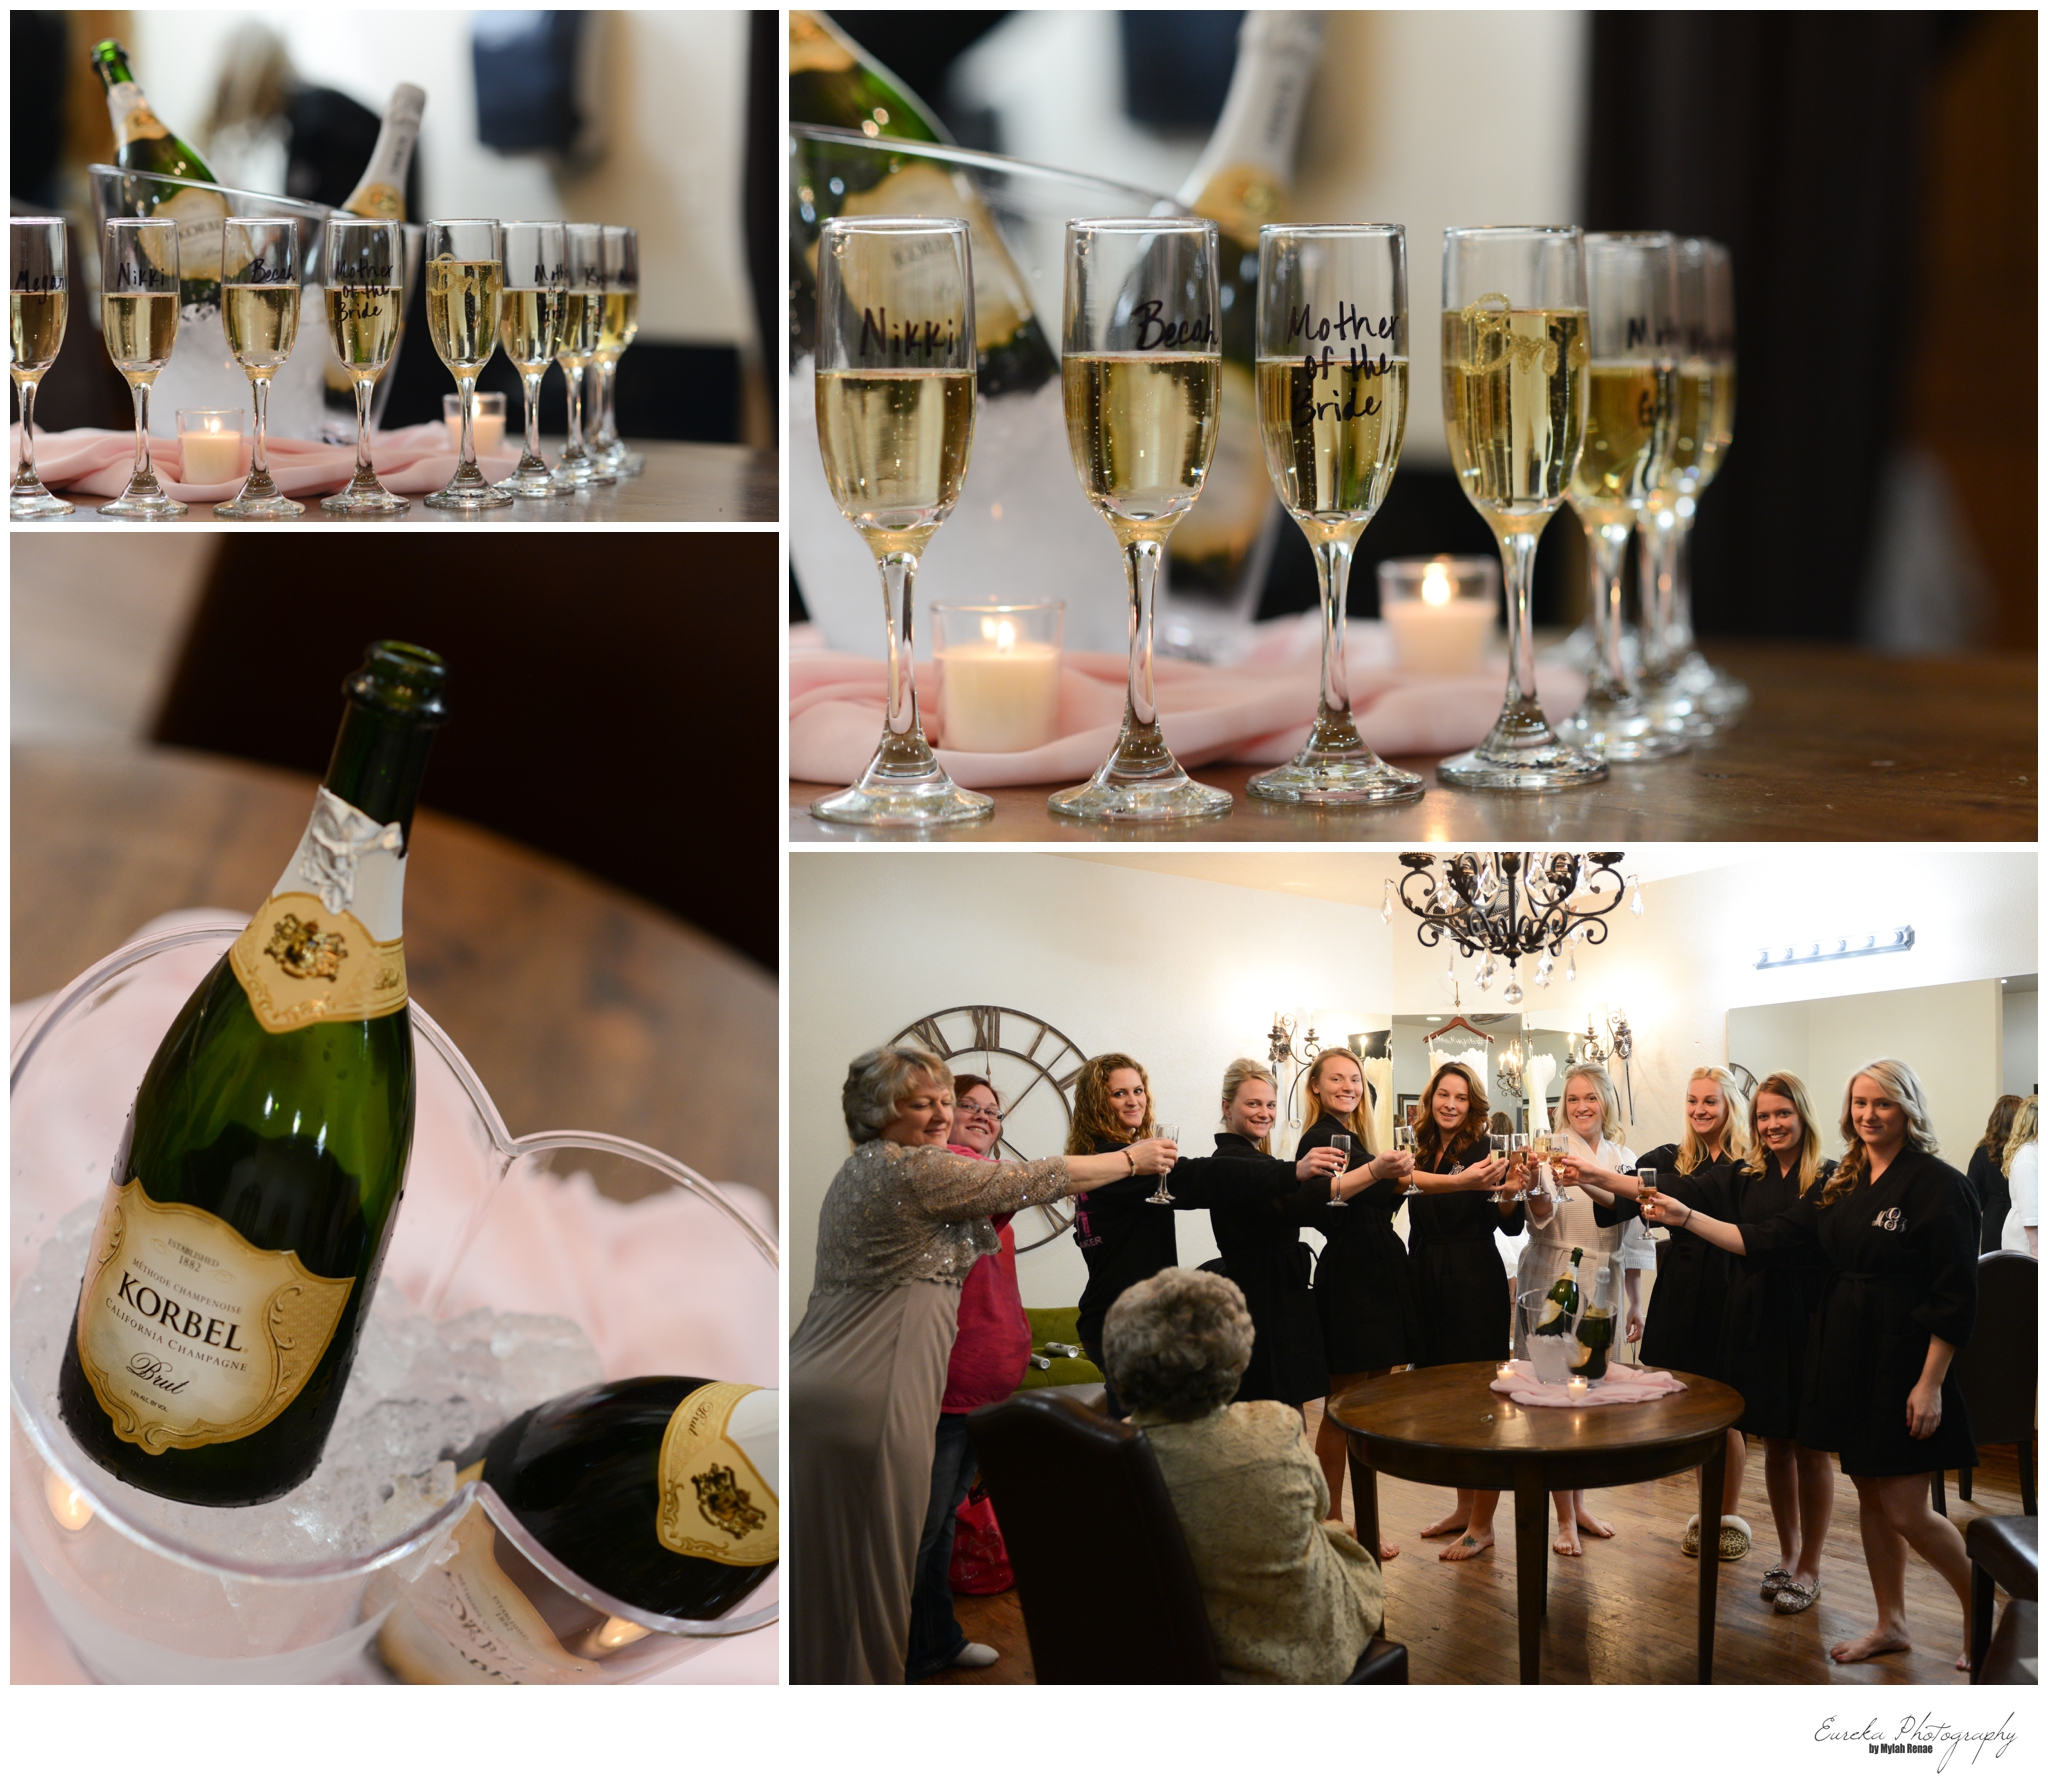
x=1996 y=1370
x=1103 y=1574
x=2005 y=1552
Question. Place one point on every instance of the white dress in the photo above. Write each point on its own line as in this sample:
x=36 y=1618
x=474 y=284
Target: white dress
x=1574 y=1225
x=2023 y=1178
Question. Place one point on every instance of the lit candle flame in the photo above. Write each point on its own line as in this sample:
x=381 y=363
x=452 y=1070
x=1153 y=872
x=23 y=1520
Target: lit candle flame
x=1436 y=587
x=1006 y=636
x=67 y=1504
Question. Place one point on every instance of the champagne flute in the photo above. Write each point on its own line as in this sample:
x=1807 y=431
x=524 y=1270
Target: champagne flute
x=895 y=385
x=38 y=307
x=529 y=331
x=465 y=298
x=1680 y=688
x=363 y=261
x=1160 y=1197
x=1632 y=381
x=1560 y=1149
x=1351 y=1148
x=139 y=317
x=621 y=324
x=582 y=324
x=1515 y=356
x=1333 y=405
x=259 y=312
x=1518 y=1154
x=1140 y=366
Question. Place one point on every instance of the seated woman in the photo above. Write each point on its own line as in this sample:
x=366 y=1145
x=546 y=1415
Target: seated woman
x=902 y=1224
x=1292 y=1599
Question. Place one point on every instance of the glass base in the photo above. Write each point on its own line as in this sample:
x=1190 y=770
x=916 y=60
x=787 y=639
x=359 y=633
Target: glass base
x=535 y=481
x=1172 y=796
x=1336 y=778
x=274 y=508
x=572 y=472
x=148 y=506
x=366 y=500
x=1619 y=732
x=26 y=501
x=468 y=493
x=934 y=801
x=1552 y=766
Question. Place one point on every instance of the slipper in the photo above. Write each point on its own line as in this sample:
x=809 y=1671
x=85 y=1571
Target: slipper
x=1735 y=1538
x=1689 y=1543
x=1775 y=1582
x=1796 y=1598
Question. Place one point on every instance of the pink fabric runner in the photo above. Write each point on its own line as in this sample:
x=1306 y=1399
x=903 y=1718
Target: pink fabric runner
x=96 y=462
x=1622 y=1386
x=1257 y=711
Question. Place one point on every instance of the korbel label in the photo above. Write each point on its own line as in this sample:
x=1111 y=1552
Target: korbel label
x=715 y=1504
x=187 y=1333
x=300 y=965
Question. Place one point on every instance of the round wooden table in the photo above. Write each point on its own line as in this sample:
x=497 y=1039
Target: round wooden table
x=1447 y=1427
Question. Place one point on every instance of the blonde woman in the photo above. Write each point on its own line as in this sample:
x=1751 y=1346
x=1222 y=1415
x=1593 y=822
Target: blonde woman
x=2022 y=1228
x=1897 y=1226
x=1689 y=1307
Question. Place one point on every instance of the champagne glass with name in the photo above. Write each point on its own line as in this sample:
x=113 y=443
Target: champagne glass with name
x=1140 y=368
x=259 y=311
x=1632 y=383
x=895 y=385
x=362 y=262
x=139 y=316
x=621 y=324
x=1351 y=1147
x=38 y=306
x=576 y=346
x=529 y=331
x=1333 y=406
x=1514 y=366
x=465 y=298
x=1159 y=1196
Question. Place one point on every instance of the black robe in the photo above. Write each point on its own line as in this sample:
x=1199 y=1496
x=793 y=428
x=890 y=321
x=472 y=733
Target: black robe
x=1364 y=1299
x=1460 y=1282
x=1772 y=1300
x=1257 y=1206
x=1902 y=1261
x=1994 y=1194
x=1688 y=1315
x=1123 y=1239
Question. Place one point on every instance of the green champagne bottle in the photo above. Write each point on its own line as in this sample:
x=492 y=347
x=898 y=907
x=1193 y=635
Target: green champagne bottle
x=255 y=1187
x=144 y=144
x=834 y=82
x=661 y=1491
x=1561 y=1304
x=1594 y=1339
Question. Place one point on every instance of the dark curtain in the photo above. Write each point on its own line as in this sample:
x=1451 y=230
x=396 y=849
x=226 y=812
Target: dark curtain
x=1794 y=138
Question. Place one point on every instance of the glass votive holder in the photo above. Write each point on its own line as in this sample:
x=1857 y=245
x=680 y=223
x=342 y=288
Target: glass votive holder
x=1442 y=611
x=211 y=449
x=486 y=421
x=1000 y=669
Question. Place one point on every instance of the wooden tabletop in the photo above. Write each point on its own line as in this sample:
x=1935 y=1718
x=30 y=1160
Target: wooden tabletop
x=590 y=1009
x=1837 y=744
x=682 y=482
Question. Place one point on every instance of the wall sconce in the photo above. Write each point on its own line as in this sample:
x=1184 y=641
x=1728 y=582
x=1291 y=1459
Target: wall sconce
x=1840 y=945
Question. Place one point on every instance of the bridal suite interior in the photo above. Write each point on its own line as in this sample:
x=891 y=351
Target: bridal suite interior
x=1186 y=960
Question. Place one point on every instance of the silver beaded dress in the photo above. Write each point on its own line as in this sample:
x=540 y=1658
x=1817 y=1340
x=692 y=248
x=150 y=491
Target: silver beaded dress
x=899 y=1230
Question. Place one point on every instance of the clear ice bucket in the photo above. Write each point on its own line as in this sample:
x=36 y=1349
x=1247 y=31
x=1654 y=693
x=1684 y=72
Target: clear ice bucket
x=202 y=375
x=136 y=1596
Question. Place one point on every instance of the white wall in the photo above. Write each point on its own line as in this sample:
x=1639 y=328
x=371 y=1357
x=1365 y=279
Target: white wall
x=2022 y=1027
x=671 y=91
x=1182 y=975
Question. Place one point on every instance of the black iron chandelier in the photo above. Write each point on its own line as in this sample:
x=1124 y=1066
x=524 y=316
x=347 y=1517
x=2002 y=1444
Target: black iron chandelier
x=1508 y=906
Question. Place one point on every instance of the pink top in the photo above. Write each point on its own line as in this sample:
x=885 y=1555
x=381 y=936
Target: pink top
x=993 y=1346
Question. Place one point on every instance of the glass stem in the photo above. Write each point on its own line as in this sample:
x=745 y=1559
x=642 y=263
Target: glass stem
x=1680 y=616
x=141 y=474
x=25 y=396
x=259 y=402
x=365 y=474
x=1143 y=559
x=466 y=462
x=1608 y=545
x=531 y=382
x=1333 y=575
x=607 y=383
x=899 y=578
x=574 y=451
x=1518 y=560
x=1657 y=539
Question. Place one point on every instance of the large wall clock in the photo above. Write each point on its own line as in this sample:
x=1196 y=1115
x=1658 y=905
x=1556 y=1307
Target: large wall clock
x=1032 y=1065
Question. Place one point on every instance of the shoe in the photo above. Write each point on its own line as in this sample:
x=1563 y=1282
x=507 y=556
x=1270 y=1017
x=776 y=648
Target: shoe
x=973 y=1655
x=1796 y=1598
x=1735 y=1538
x=1689 y=1543
x=1775 y=1582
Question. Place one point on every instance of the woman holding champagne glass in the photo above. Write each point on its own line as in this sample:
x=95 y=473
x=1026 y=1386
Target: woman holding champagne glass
x=1897 y=1228
x=1123 y=1234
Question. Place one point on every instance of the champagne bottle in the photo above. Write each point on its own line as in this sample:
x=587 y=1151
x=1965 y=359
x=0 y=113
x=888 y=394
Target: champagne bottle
x=662 y=1492
x=1561 y=1303
x=380 y=193
x=254 y=1189
x=834 y=82
x=1242 y=182
x=145 y=145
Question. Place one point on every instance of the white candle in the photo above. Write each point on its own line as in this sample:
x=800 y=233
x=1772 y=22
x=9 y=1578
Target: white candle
x=1576 y=1386
x=211 y=456
x=486 y=427
x=1001 y=695
x=1442 y=632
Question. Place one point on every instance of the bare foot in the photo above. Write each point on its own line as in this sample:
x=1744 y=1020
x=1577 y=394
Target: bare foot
x=1567 y=1542
x=1388 y=1550
x=1446 y=1526
x=1593 y=1526
x=1468 y=1546
x=1885 y=1639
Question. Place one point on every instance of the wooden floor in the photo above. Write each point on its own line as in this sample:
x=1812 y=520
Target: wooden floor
x=1625 y=1612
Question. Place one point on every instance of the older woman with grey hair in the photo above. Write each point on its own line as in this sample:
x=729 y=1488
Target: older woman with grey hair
x=902 y=1224
x=1292 y=1599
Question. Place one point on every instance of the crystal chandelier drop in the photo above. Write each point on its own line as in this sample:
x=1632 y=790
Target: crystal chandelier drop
x=1513 y=905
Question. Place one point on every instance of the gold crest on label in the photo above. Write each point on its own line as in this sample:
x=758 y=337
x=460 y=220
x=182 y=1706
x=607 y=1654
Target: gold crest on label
x=300 y=965
x=302 y=951
x=714 y=1503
